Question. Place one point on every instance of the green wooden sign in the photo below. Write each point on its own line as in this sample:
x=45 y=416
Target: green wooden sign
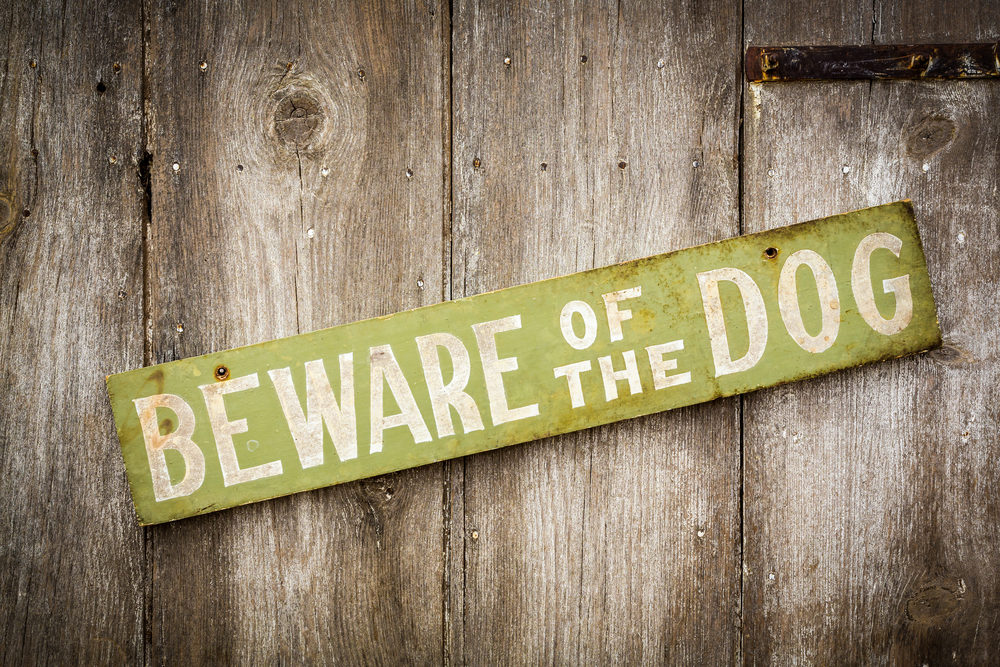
x=523 y=363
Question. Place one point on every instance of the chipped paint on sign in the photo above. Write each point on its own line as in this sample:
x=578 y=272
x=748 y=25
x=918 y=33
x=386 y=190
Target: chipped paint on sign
x=520 y=364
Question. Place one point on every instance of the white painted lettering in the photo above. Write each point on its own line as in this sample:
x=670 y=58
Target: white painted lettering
x=443 y=396
x=756 y=315
x=829 y=301
x=611 y=376
x=178 y=440
x=385 y=370
x=224 y=430
x=321 y=408
x=586 y=313
x=616 y=316
x=572 y=374
x=864 y=293
x=494 y=367
x=659 y=366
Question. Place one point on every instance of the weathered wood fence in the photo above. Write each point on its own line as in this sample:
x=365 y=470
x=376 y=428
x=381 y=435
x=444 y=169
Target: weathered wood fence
x=178 y=178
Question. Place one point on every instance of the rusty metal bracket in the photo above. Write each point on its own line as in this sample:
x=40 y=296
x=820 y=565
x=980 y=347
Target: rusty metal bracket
x=887 y=61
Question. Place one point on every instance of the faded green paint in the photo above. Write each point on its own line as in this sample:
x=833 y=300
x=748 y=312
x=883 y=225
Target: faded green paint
x=669 y=308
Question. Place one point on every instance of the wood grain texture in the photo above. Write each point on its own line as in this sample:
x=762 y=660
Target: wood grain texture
x=71 y=557
x=871 y=504
x=586 y=134
x=292 y=208
x=871 y=511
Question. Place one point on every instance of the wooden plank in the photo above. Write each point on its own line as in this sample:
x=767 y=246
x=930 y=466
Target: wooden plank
x=609 y=134
x=72 y=560
x=292 y=208
x=555 y=356
x=877 y=61
x=870 y=498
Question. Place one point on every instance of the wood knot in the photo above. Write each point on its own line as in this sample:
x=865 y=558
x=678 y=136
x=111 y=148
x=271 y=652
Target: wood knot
x=6 y=209
x=951 y=354
x=929 y=136
x=8 y=219
x=932 y=603
x=298 y=118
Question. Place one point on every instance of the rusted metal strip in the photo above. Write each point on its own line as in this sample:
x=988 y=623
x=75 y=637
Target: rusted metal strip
x=886 y=61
